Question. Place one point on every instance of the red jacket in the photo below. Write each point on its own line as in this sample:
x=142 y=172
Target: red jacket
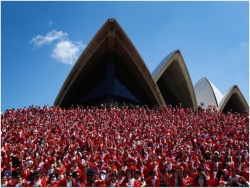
x=150 y=183
x=63 y=183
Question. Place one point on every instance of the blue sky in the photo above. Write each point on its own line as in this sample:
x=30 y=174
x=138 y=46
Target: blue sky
x=212 y=36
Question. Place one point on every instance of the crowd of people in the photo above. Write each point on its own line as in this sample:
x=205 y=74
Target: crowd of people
x=123 y=146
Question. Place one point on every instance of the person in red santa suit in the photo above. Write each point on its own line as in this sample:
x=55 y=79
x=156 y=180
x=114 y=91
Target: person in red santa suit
x=121 y=176
x=84 y=173
x=167 y=171
x=236 y=180
x=176 y=180
x=68 y=181
x=132 y=164
x=138 y=176
x=38 y=181
x=113 y=182
x=129 y=180
x=153 y=180
x=20 y=182
x=74 y=167
x=154 y=165
x=52 y=181
x=202 y=179
x=220 y=179
x=142 y=168
x=104 y=176
x=245 y=172
x=187 y=178
x=95 y=181
x=60 y=168
x=79 y=180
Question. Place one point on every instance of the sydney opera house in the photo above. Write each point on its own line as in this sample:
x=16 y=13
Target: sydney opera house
x=111 y=69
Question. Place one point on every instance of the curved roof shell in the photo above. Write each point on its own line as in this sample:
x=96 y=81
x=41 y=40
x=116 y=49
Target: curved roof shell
x=174 y=82
x=110 y=67
x=233 y=100
x=109 y=49
x=206 y=93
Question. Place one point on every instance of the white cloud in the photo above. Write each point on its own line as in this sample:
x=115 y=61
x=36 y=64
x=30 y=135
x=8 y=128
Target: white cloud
x=67 y=51
x=51 y=36
x=64 y=50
